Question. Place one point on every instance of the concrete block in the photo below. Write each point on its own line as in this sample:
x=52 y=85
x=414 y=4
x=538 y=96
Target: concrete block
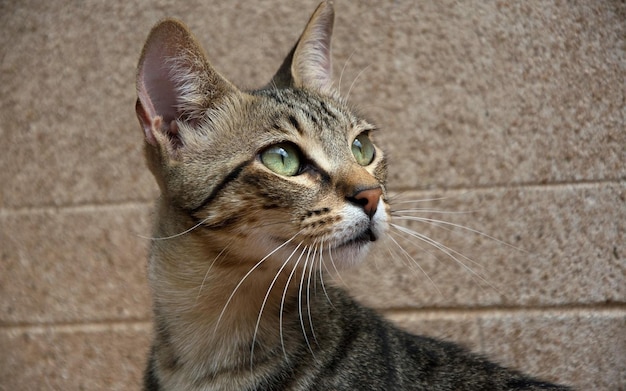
x=478 y=94
x=94 y=357
x=584 y=349
x=86 y=264
x=68 y=106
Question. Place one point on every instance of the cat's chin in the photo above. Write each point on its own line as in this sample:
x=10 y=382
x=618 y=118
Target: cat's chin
x=350 y=254
x=353 y=251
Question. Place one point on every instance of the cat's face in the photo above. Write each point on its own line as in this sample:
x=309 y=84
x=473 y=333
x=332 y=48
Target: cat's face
x=292 y=166
x=287 y=170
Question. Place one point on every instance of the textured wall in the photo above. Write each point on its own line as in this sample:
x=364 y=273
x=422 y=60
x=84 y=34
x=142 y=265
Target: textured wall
x=513 y=112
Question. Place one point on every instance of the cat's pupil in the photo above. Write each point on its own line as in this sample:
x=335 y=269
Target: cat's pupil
x=283 y=159
x=363 y=149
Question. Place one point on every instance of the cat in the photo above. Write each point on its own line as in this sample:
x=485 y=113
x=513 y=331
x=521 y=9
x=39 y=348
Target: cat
x=262 y=193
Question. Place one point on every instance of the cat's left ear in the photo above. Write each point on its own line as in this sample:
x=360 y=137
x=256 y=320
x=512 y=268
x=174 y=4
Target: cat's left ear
x=175 y=84
x=308 y=65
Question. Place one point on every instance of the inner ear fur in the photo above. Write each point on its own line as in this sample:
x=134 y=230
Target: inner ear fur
x=308 y=64
x=175 y=84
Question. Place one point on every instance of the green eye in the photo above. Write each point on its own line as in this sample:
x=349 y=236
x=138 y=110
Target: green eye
x=363 y=149
x=283 y=159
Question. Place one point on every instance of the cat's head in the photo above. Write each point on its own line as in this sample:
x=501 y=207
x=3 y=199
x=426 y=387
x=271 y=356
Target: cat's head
x=289 y=168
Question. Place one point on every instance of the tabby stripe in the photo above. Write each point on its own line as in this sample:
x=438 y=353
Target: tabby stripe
x=304 y=109
x=303 y=104
x=296 y=124
x=228 y=178
x=317 y=112
x=328 y=111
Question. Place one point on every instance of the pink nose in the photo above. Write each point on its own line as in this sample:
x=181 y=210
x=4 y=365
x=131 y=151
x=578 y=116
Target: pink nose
x=368 y=199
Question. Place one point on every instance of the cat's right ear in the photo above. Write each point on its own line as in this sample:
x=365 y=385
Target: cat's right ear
x=308 y=65
x=175 y=84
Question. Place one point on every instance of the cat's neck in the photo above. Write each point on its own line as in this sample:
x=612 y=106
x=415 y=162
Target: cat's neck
x=212 y=303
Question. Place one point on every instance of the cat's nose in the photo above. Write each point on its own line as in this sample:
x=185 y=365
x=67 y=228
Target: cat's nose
x=368 y=199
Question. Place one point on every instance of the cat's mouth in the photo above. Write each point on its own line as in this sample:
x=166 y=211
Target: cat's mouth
x=363 y=238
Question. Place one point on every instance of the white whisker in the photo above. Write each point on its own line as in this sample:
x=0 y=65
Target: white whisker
x=342 y=71
x=267 y=294
x=304 y=333
x=428 y=210
x=210 y=267
x=410 y=258
x=282 y=301
x=248 y=274
x=323 y=265
x=421 y=200
x=354 y=82
x=332 y=262
x=434 y=241
x=438 y=223
x=188 y=230
x=175 y=235
x=308 y=293
x=451 y=253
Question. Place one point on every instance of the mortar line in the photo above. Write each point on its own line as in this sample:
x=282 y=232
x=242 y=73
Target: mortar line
x=571 y=309
x=99 y=206
x=74 y=327
x=74 y=208
x=616 y=309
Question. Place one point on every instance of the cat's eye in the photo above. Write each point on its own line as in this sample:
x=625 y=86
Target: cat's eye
x=363 y=149
x=283 y=159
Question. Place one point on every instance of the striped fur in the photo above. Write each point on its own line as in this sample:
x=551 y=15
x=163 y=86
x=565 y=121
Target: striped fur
x=240 y=251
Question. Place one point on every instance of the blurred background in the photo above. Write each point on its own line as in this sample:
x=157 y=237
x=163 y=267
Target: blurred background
x=507 y=118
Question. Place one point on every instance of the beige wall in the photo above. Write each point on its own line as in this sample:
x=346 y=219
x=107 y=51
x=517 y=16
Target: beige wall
x=512 y=111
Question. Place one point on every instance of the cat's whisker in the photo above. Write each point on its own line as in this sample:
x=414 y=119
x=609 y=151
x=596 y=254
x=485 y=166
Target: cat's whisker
x=283 y=298
x=403 y=196
x=449 y=229
x=323 y=265
x=345 y=64
x=451 y=253
x=438 y=223
x=195 y=226
x=438 y=245
x=410 y=258
x=423 y=249
x=332 y=262
x=304 y=333
x=178 y=235
x=354 y=82
x=266 y=224
x=267 y=294
x=248 y=274
x=396 y=199
x=308 y=292
x=313 y=263
x=392 y=254
x=206 y=275
x=428 y=210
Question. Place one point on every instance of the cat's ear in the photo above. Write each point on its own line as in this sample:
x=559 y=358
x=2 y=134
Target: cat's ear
x=308 y=64
x=175 y=82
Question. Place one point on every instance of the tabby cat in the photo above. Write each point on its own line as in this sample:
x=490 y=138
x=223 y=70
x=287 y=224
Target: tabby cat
x=263 y=192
